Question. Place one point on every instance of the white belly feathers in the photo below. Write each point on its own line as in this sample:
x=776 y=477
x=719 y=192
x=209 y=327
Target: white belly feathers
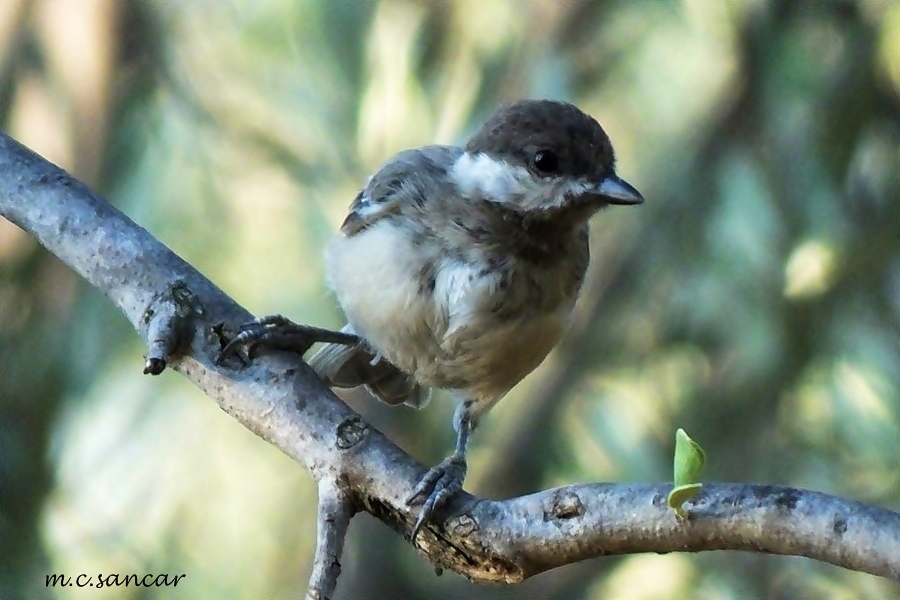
x=441 y=332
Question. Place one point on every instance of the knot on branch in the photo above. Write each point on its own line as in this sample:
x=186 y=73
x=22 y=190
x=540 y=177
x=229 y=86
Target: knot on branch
x=565 y=504
x=351 y=432
x=169 y=319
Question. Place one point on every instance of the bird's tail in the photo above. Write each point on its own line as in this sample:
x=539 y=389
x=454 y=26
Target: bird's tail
x=345 y=366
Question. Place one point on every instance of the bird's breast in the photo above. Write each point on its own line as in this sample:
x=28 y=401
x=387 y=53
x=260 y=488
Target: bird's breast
x=449 y=322
x=375 y=275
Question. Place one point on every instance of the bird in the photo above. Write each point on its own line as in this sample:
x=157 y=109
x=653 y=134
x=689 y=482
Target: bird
x=458 y=267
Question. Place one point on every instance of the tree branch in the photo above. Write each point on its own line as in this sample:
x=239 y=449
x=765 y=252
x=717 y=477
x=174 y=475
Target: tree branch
x=179 y=314
x=335 y=511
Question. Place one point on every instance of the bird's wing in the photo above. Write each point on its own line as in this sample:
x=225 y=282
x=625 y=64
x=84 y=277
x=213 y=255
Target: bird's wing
x=405 y=179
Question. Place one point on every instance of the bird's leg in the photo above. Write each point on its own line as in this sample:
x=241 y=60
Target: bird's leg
x=445 y=479
x=283 y=334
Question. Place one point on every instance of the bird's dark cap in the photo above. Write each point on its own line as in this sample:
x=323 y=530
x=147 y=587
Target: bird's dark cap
x=517 y=132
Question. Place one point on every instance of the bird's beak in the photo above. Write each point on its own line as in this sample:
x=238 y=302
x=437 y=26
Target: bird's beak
x=618 y=191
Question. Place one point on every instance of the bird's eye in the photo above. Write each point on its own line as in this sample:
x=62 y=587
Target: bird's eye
x=546 y=162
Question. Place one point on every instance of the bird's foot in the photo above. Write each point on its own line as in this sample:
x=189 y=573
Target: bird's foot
x=436 y=488
x=281 y=333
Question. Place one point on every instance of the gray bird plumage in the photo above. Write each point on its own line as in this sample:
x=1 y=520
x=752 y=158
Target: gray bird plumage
x=458 y=267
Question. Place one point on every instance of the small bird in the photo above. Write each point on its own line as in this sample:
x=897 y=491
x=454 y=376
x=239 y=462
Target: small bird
x=458 y=268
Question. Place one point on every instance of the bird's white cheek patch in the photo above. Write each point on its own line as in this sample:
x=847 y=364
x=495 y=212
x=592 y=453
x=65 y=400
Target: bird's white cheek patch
x=577 y=188
x=481 y=175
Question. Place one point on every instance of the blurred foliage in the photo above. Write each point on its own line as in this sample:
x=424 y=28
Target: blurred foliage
x=753 y=300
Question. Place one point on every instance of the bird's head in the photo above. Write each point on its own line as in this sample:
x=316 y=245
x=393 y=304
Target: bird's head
x=543 y=158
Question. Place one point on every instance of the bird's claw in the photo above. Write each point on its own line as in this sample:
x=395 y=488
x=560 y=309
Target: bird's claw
x=281 y=333
x=436 y=488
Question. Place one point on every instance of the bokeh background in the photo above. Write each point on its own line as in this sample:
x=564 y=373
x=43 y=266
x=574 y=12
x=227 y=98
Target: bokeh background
x=753 y=300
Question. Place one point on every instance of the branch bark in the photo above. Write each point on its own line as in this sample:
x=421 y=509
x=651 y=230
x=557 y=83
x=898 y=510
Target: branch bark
x=180 y=315
x=335 y=511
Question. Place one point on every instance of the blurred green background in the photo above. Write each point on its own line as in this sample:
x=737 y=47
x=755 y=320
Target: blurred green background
x=753 y=300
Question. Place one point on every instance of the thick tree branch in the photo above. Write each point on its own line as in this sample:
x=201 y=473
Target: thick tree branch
x=179 y=313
